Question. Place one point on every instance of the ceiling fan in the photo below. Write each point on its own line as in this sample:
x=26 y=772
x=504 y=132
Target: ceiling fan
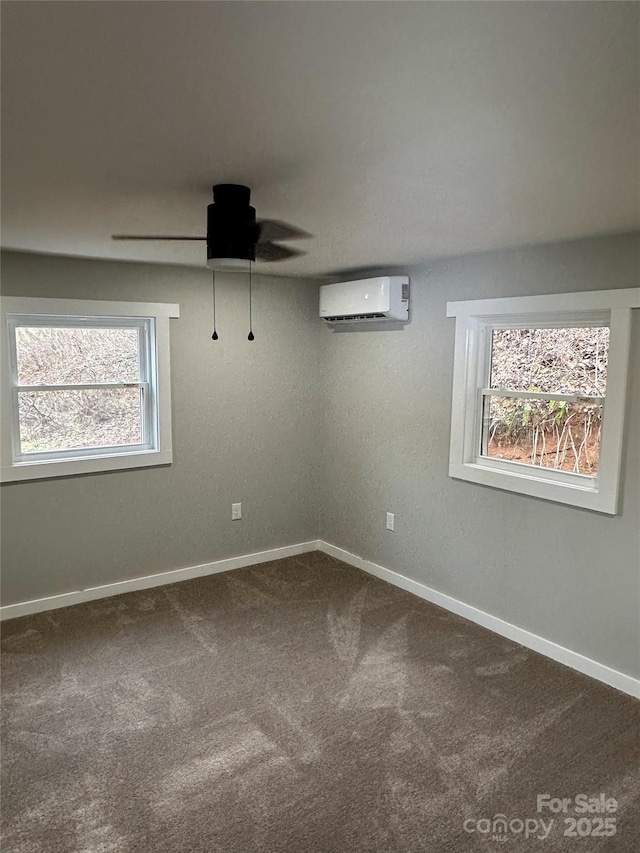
x=233 y=233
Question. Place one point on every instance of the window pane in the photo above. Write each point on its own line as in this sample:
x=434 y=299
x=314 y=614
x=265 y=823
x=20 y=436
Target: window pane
x=544 y=433
x=50 y=355
x=65 y=420
x=560 y=361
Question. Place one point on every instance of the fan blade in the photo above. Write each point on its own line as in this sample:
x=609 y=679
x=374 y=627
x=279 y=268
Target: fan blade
x=273 y=229
x=140 y=237
x=273 y=252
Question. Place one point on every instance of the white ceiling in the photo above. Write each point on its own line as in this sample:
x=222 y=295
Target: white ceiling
x=394 y=132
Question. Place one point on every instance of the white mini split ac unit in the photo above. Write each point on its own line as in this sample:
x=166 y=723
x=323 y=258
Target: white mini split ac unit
x=367 y=300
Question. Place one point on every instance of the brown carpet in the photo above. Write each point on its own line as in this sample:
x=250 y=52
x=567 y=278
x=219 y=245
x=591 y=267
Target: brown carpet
x=298 y=706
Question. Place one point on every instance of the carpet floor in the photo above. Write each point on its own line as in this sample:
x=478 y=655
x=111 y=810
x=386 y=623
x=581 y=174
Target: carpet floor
x=301 y=706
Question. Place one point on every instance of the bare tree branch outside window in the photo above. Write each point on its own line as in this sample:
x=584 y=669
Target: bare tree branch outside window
x=71 y=419
x=550 y=433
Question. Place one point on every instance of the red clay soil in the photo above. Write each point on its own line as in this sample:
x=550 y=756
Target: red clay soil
x=521 y=451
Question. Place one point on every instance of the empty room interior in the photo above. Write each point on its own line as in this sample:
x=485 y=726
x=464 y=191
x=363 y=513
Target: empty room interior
x=320 y=440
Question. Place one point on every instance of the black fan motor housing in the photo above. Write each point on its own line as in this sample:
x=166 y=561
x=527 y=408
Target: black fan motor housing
x=232 y=231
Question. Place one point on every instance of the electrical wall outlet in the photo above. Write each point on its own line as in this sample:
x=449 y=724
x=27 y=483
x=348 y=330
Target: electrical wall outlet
x=236 y=512
x=391 y=521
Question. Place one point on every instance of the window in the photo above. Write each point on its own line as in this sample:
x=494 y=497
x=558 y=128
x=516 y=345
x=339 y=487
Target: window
x=545 y=396
x=85 y=386
x=539 y=394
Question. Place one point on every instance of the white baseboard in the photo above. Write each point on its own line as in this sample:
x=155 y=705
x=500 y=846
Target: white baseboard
x=53 y=602
x=625 y=683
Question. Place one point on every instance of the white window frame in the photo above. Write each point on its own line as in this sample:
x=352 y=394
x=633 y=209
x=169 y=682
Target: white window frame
x=475 y=321
x=156 y=447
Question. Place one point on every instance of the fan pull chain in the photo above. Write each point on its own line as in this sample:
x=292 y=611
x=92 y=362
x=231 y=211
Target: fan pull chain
x=214 y=336
x=250 y=336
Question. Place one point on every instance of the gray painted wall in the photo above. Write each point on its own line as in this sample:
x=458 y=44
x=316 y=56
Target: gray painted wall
x=320 y=433
x=569 y=575
x=244 y=428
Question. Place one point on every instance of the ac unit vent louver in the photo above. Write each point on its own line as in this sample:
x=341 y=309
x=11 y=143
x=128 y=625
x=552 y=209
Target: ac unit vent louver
x=350 y=318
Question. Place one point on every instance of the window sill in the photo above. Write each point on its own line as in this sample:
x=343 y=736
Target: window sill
x=41 y=470
x=585 y=495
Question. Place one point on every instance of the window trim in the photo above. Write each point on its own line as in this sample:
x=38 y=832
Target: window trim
x=157 y=449
x=474 y=320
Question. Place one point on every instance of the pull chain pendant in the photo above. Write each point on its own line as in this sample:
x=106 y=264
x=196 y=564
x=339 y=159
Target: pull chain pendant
x=214 y=336
x=250 y=336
